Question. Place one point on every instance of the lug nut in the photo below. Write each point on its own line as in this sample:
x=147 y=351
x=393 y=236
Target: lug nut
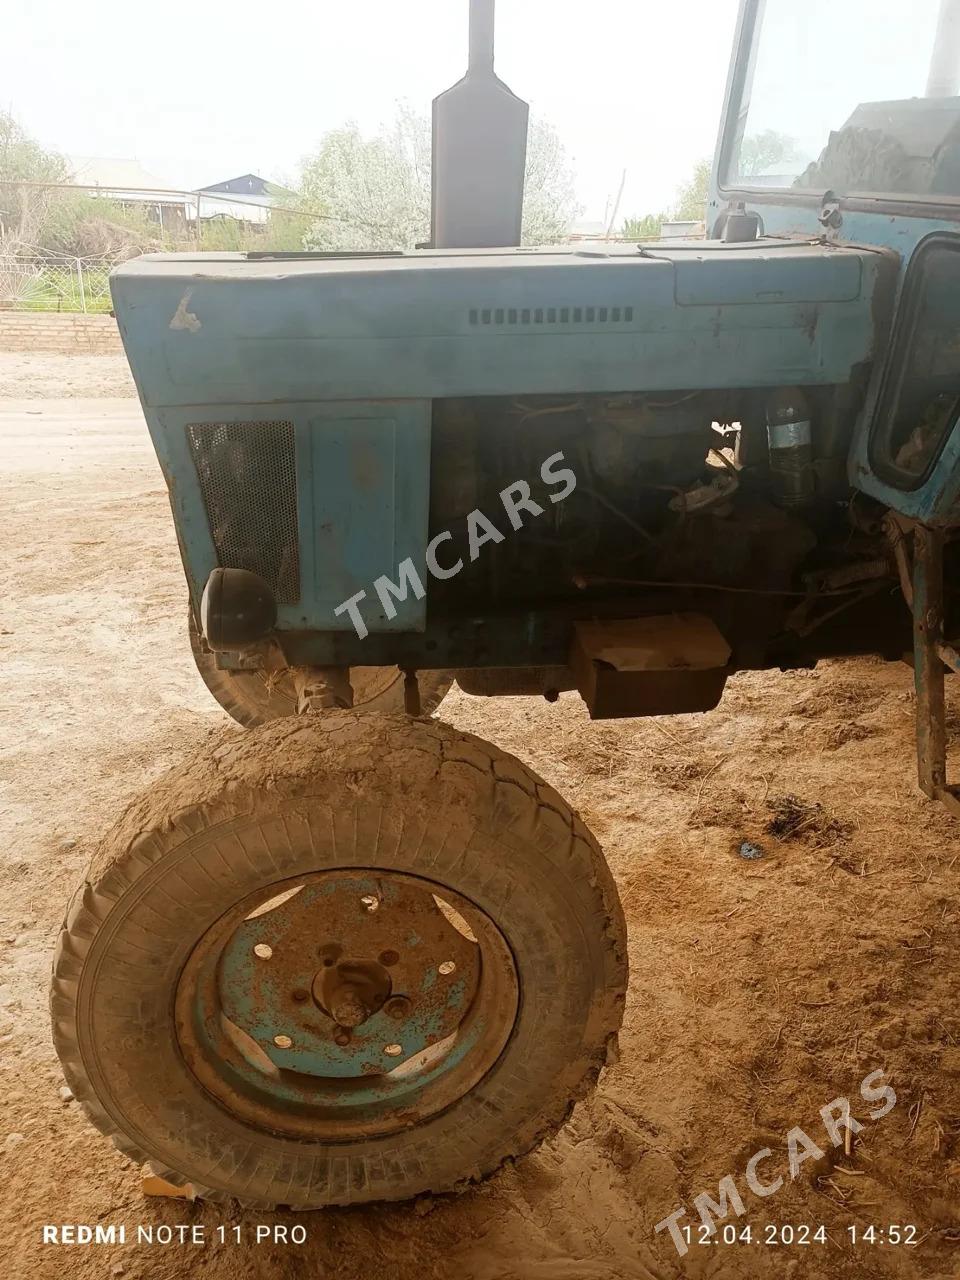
x=393 y=1050
x=262 y=951
x=448 y=966
x=283 y=1042
x=341 y=1037
x=300 y=995
x=397 y=1008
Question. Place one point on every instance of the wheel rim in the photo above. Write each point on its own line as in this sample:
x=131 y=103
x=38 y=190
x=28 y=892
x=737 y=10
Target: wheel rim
x=346 y=1004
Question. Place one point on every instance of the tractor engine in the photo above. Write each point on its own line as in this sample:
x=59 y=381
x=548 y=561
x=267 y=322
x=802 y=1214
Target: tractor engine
x=680 y=487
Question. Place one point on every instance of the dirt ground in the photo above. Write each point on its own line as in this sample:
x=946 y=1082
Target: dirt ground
x=761 y=989
x=23 y=375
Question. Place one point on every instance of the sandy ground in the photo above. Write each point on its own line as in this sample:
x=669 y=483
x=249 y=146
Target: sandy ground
x=23 y=375
x=760 y=990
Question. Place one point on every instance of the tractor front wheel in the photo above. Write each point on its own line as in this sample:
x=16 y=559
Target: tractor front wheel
x=340 y=959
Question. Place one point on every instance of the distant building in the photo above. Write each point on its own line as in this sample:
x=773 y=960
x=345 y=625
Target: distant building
x=127 y=183
x=245 y=199
x=690 y=230
x=586 y=229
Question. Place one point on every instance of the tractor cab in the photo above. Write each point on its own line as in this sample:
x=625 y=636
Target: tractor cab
x=847 y=128
x=863 y=150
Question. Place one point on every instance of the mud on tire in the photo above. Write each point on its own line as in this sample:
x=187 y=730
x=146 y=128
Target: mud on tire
x=306 y=795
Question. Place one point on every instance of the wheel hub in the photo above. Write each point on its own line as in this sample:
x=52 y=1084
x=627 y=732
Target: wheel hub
x=352 y=992
x=344 y=999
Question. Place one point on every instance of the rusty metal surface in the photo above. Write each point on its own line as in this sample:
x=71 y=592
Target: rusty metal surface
x=321 y=688
x=346 y=1003
x=928 y=668
x=348 y=941
x=930 y=654
x=649 y=666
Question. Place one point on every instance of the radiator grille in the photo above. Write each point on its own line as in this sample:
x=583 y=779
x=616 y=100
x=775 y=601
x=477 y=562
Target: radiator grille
x=248 y=478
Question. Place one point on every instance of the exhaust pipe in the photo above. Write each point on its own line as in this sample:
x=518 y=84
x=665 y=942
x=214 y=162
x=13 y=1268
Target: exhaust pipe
x=479 y=151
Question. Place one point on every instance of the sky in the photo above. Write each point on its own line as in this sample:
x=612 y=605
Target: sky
x=201 y=92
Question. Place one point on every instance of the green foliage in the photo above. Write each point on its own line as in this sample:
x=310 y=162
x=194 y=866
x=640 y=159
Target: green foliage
x=283 y=233
x=84 y=226
x=22 y=160
x=376 y=191
x=692 y=196
x=549 y=195
x=291 y=218
x=762 y=152
x=59 y=289
x=645 y=228
x=691 y=206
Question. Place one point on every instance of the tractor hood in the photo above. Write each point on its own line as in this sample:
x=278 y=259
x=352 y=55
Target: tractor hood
x=209 y=329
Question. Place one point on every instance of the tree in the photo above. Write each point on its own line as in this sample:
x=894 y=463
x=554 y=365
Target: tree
x=691 y=206
x=79 y=225
x=692 y=196
x=643 y=228
x=283 y=233
x=549 y=194
x=760 y=152
x=23 y=207
x=376 y=191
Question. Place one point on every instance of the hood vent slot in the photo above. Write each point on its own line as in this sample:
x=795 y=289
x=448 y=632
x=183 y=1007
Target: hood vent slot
x=516 y=318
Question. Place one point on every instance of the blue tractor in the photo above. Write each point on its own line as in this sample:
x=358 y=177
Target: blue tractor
x=353 y=954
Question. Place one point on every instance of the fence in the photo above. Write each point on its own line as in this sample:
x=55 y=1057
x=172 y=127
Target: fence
x=69 y=284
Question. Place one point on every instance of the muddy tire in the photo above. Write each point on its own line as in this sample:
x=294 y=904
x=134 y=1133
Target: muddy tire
x=252 y=698
x=341 y=795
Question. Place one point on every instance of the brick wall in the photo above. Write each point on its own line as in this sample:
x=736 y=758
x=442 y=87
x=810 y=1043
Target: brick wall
x=64 y=333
